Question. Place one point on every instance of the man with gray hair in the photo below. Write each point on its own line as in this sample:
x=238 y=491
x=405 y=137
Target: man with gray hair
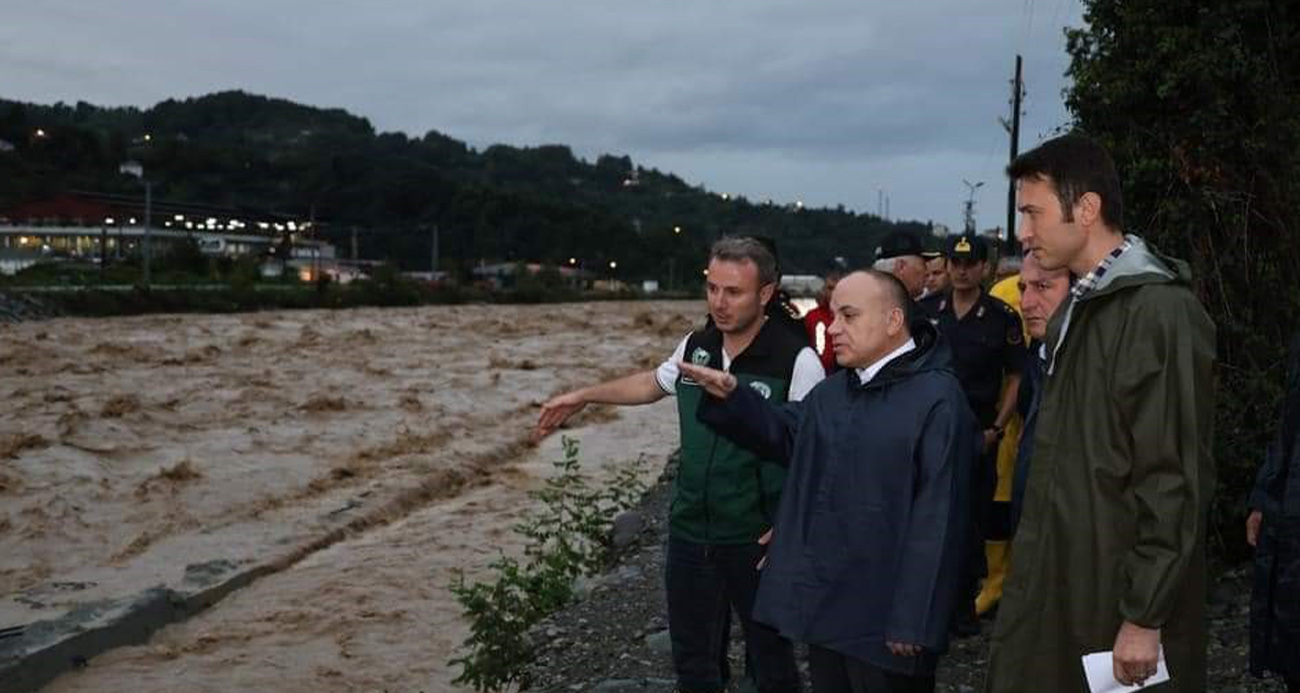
x=725 y=496
x=901 y=254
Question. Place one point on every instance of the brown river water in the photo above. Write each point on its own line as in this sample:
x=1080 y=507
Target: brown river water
x=132 y=443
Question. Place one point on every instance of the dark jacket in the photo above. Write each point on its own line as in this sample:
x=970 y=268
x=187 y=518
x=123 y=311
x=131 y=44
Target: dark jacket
x=1031 y=386
x=1116 y=503
x=1275 y=603
x=872 y=525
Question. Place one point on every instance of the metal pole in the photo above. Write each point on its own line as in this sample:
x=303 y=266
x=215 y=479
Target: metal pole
x=103 y=250
x=433 y=273
x=1016 y=90
x=148 y=213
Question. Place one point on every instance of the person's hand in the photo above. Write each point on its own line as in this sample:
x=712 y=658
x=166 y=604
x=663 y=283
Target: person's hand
x=764 y=541
x=902 y=649
x=715 y=382
x=556 y=411
x=990 y=438
x=1253 y=522
x=1136 y=651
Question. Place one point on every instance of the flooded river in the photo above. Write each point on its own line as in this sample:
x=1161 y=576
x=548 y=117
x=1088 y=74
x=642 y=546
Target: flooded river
x=129 y=445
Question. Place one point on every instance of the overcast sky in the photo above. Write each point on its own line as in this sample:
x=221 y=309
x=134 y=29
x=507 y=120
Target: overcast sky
x=825 y=102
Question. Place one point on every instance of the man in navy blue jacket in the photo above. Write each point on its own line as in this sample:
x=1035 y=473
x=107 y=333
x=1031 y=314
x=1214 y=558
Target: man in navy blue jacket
x=864 y=562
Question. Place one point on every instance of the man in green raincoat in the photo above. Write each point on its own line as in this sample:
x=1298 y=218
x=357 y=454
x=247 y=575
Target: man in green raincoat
x=1110 y=552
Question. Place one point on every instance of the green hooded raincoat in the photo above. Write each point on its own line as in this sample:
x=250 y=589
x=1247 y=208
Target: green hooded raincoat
x=1119 y=486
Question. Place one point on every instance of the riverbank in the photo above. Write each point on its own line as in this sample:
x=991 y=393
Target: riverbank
x=615 y=639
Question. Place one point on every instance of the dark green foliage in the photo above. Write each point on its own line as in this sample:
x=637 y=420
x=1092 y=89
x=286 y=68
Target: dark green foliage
x=568 y=538
x=1200 y=104
x=534 y=204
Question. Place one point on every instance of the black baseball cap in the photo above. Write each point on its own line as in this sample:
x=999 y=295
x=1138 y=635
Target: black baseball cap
x=898 y=244
x=967 y=247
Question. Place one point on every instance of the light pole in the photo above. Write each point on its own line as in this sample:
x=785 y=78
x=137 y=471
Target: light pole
x=133 y=168
x=148 y=231
x=970 y=204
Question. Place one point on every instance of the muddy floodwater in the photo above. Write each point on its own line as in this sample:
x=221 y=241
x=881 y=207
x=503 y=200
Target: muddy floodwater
x=131 y=445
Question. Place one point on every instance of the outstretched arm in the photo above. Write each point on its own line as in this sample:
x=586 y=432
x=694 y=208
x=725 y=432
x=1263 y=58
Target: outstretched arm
x=638 y=388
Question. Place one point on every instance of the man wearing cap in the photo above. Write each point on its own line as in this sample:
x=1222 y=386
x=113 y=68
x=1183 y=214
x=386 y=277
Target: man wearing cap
x=988 y=347
x=900 y=255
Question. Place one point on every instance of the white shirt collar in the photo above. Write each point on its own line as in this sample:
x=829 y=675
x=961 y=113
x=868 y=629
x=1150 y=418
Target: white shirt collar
x=866 y=374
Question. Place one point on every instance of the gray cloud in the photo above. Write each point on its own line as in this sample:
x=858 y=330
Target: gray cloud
x=827 y=101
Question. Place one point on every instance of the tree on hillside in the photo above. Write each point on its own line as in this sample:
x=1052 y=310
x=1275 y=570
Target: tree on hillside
x=1200 y=104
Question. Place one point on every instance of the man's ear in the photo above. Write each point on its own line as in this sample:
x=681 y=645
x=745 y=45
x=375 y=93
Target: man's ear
x=1087 y=211
x=895 y=323
x=765 y=293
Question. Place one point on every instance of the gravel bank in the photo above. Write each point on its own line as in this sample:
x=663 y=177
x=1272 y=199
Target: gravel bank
x=614 y=639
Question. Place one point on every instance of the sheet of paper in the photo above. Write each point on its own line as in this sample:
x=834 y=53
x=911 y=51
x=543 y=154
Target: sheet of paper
x=1099 y=667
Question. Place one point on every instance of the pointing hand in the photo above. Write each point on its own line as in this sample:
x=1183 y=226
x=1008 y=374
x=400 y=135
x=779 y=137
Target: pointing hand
x=715 y=382
x=555 y=412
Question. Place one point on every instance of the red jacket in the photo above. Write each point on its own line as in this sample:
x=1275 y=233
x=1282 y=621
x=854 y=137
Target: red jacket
x=817 y=321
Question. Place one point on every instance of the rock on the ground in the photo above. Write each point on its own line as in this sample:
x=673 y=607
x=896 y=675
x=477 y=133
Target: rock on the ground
x=627 y=528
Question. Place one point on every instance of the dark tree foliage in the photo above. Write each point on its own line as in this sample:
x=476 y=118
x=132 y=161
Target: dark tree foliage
x=501 y=204
x=1200 y=104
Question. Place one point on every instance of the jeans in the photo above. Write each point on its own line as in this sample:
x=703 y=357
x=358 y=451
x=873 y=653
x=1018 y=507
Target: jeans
x=703 y=583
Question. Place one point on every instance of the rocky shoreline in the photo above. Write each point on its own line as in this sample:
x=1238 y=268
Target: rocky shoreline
x=614 y=640
x=16 y=308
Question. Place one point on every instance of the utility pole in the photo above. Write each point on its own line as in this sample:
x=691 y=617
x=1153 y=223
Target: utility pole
x=354 y=243
x=148 y=213
x=103 y=249
x=434 y=258
x=1017 y=93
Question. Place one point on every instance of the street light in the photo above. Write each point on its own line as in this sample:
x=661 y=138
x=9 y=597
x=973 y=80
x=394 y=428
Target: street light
x=970 y=204
x=132 y=168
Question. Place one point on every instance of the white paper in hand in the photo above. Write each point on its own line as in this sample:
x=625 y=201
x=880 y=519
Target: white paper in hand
x=1099 y=667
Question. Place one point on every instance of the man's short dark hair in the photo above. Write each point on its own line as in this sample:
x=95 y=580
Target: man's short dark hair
x=1076 y=164
x=896 y=293
x=742 y=248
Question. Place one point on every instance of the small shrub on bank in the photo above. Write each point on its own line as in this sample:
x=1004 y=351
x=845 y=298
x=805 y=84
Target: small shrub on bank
x=567 y=538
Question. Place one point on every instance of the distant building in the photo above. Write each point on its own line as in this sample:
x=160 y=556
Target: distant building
x=6 y=146
x=802 y=285
x=86 y=225
x=132 y=168
x=504 y=274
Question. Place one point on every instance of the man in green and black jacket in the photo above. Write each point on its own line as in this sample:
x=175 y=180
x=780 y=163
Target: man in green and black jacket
x=725 y=496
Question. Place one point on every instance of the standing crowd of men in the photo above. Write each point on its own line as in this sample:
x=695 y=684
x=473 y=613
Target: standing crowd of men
x=853 y=486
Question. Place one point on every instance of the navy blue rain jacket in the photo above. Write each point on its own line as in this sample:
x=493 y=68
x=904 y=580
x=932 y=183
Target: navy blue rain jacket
x=874 y=520
x=1275 y=602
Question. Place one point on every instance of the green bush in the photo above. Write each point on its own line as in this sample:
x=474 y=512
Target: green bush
x=567 y=538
